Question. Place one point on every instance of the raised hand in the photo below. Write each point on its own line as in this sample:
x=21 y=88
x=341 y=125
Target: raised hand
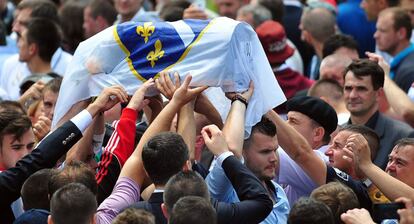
x=380 y=60
x=214 y=139
x=407 y=213
x=137 y=101
x=246 y=94
x=42 y=127
x=184 y=94
x=107 y=99
x=357 y=216
x=32 y=94
x=358 y=145
x=166 y=86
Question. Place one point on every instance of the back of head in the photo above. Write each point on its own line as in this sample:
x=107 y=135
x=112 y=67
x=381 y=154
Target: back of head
x=276 y=7
x=333 y=67
x=174 y=10
x=337 y=41
x=182 y=184
x=35 y=190
x=259 y=13
x=12 y=105
x=103 y=8
x=71 y=15
x=369 y=134
x=40 y=9
x=338 y=197
x=366 y=67
x=134 y=216
x=319 y=22
x=193 y=209
x=46 y=34
x=157 y=154
x=73 y=203
x=73 y=172
x=310 y=211
x=327 y=88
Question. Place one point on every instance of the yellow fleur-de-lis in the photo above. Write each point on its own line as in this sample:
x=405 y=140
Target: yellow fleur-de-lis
x=156 y=54
x=145 y=31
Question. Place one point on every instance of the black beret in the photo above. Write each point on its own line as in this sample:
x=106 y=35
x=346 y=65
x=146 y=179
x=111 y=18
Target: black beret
x=315 y=108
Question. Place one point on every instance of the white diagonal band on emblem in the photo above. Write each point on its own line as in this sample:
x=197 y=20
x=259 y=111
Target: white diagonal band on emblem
x=185 y=32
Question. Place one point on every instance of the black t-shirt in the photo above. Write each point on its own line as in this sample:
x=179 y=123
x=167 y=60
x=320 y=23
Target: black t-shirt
x=360 y=189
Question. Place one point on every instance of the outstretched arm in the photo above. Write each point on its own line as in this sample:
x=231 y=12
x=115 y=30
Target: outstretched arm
x=296 y=146
x=234 y=126
x=390 y=186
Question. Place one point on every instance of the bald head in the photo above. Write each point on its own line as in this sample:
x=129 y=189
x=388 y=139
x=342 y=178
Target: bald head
x=319 y=22
x=333 y=67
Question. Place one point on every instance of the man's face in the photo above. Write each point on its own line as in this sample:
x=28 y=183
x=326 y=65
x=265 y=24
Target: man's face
x=332 y=72
x=228 y=8
x=371 y=9
x=303 y=124
x=386 y=36
x=12 y=150
x=127 y=8
x=261 y=157
x=360 y=96
x=335 y=151
x=401 y=164
x=49 y=102
x=89 y=23
x=21 y=21
x=24 y=47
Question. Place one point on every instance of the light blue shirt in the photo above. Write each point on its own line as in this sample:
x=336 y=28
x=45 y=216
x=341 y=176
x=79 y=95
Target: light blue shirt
x=221 y=189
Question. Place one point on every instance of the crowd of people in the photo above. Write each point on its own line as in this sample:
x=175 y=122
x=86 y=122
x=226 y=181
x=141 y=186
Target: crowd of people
x=341 y=145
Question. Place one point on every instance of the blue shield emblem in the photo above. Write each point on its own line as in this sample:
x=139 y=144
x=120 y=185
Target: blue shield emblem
x=154 y=47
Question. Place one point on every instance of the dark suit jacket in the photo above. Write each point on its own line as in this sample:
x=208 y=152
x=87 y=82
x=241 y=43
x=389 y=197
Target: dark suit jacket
x=389 y=131
x=254 y=206
x=153 y=205
x=45 y=155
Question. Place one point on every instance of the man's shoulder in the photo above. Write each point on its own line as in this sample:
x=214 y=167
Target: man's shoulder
x=407 y=63
x=393 y=126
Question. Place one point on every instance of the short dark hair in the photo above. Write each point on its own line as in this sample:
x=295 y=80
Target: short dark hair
x=73 y=203
x=401 y=20
x=275 y=7
x=12 y=105
x=264 y=126
x=184 y=183
x=338 y=197
x=13 y=123
x=366 y=67
x=73 y=172
x=40 y=9
x=71 y=15
x=35 y=190
x=134 y=216
x=393 y=3
x=404 y=142
x=190 y=209
x=310 y=211
x=157 y=154
x=103 y=8
x=54 y=84
x=174 y=10
x=337 y=41
x=369 y=134
x=327 y=88
x=46 y=35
